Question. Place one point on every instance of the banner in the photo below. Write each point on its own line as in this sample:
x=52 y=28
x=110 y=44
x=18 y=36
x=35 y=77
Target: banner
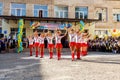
x=51 y=26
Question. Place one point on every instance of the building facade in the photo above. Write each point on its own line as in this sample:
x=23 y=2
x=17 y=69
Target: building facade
x=107 y=11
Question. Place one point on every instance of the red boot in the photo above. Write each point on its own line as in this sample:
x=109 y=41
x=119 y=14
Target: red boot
x=36 y=53
x=30 y=53
x=73 y=56
x=84 y=53
x=42 y=54
x=59 y=55
x=78 y=55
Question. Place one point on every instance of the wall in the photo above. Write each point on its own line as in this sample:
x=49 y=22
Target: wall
x=92 y=4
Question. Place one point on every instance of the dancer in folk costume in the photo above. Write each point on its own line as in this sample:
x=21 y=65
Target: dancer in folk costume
x=58 y=38
x=31 y=40
x=41 y=44
x=50 y=46
x=84 y=44
x=78 y=43
x=36 y=44
x=72 y=42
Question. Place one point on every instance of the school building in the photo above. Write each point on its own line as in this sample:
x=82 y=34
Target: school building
x=99 y=15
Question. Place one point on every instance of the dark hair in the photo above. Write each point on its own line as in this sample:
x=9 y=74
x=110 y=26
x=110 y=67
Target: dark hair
x=72 y=29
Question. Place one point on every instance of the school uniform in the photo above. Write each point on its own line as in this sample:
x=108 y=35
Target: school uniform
x=84 y=44
x=36 y=44
x=41 y=45
x=72 y=43
x=72 y=40
x=58 y=45
x=78 y=45
x=50 y=45
x=31 y=45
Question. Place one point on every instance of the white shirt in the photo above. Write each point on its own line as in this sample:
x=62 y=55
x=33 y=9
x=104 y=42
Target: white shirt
x=49 y=39
x=36 y=39
x=41 y=40
x=58 y=39
x=31 y=41
x=72 y=37
x=78 y=38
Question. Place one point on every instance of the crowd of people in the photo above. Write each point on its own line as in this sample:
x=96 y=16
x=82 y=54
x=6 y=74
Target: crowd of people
x=109 y=44
x=10 y=43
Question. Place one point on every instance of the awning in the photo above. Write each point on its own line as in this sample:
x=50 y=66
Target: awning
x=28 y=18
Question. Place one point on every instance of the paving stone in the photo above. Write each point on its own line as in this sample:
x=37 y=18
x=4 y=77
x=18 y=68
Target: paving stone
x=95 y=66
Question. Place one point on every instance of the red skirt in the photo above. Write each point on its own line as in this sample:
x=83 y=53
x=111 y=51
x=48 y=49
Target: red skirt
x=50 y=45
x=42 y=45
x=84 y=45
x=72 y=44
x=78 y=45
x=36 y=44
x=30 y=46
x=59 y=45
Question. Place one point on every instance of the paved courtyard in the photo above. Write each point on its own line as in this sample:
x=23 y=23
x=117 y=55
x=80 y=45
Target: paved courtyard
x=95 y=66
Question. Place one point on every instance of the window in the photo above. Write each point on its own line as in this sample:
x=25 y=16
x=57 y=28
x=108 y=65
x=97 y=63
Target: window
x=40 y=10
x=81 y=12
x=18 y=9
x=61 y=12
x=117 y=17
x=1 y=8
x=116 y=14
x=101 y=14
x=101 y=32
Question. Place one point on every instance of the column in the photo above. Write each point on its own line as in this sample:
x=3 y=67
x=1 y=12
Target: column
x=110 y=17
x=29 y=10
x=71 y=11
x=50 y=10
x=6 y=8
x=91 y=12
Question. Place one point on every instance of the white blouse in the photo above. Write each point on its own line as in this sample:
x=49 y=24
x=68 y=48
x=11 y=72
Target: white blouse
x=72 y=37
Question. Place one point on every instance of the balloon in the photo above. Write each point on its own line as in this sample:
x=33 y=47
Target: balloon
x=31 y=23
x=19 y=36
x=62 y=26
x=114 y=30
x=82 y=25
x=69 y=25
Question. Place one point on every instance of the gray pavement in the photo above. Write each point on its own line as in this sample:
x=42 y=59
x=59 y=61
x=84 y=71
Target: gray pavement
x=94 y=66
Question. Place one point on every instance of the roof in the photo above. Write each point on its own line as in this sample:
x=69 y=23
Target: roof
x=28 y=18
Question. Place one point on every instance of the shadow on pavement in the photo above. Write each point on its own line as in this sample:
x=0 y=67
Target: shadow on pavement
x=103 y=62
x=20 y=67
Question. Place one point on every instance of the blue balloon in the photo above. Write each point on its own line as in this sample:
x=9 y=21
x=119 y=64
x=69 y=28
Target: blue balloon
x=18 y=30
x=20 y=43
x=69 y=25
x=31 y=22
x=62 y=26
x=82 y=23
